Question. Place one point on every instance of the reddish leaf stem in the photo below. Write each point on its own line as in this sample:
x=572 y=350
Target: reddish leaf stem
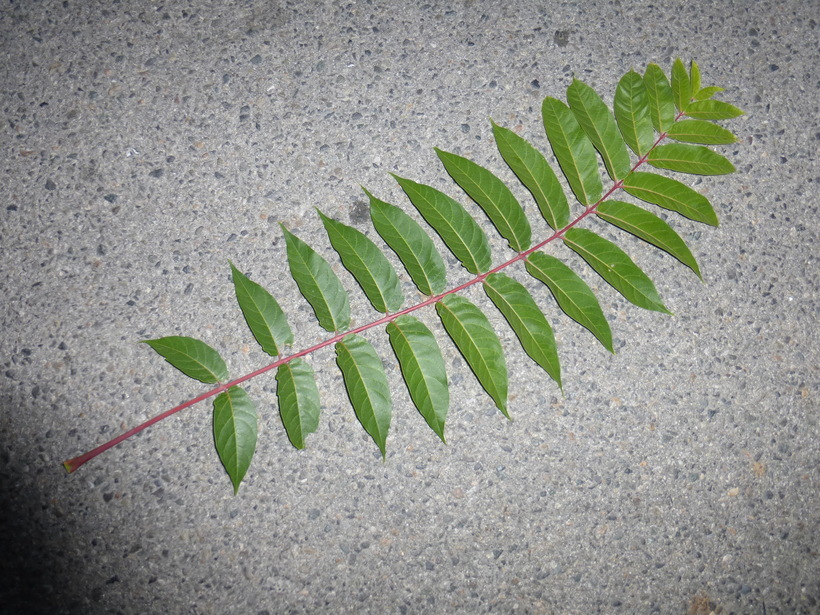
x=72 y=464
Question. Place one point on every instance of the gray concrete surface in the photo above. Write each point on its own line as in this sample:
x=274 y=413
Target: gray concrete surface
x=144 y=144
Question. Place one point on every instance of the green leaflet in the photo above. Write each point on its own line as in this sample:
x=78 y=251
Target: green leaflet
x=694 y=76
x=573 y=150
x=695 y=159
x=648 y=227
x=265 y=318
x=572 y=294
x=422 y=367
x=614 y=266
x=318 y=284
x=706 y=93
x=192 y=357
x=474 y=337
x=527 y=321
x=698 y=92
x=235 y=432
x=597 y=121
x=681 y=85
x=712 y=110
x=298 y=399
x=631 y=106
x=532 y=169
x=493 y=196
x=457 y=229
x=659 y=95
x=411 y=244
x=700 y=131
x=671 y=194
x=367 y=264
x=366 y=386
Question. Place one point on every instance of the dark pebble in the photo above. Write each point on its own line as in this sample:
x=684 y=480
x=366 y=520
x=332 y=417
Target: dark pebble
x=50 y=185
x=561 y=38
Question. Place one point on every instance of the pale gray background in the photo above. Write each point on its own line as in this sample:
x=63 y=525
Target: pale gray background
x=144 y=144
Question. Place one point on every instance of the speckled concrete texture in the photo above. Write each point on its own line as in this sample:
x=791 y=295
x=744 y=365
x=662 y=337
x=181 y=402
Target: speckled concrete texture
x=144 y=144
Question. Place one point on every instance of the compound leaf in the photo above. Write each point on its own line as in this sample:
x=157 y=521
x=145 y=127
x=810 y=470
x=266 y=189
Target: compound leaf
x=318 y=284
x=475 y=339
x=648 y=227
x=265 y=318
x=527 y=321
x=366 y=386
x=411 y=244
x=573 y=150
x=671 y=194
x=298 y=398
x=631 y=106
x=532 y=169
x=366 y=263
x=192 y=357
x=572 y=294
x=597 y=121
x=457 y=229
x=493 y=196
x=235 y=430
x=578 y=133
x=422 y=367
x=614 y=266
x=695 y=159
